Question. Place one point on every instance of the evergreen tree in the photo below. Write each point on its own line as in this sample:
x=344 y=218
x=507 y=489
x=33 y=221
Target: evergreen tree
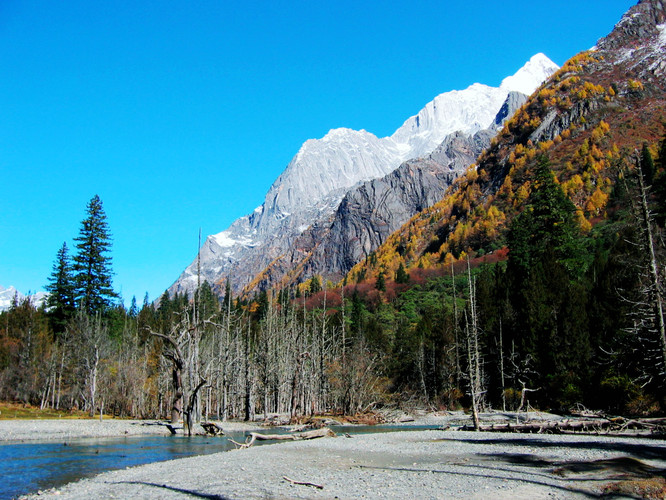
x=546 y=225
x=228 y=296
x=207 y=301
x=661 y=156
x=401 y=275
x=134 y=309
x=92 y=265
x=315 y=285
x=546 y=263
x=659 y=184
x=61 y=301
x=381 y=282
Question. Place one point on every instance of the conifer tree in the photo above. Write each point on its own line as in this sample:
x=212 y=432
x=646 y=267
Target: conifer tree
x=546 y=225
x=545 y=264
x=401 y=275
x=92 y=264
x=381 y=282
x=61 y=299
x=647 y=165
x=315 y=285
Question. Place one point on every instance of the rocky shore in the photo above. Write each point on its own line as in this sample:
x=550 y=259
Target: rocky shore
x=413 y=463
x=67 y=429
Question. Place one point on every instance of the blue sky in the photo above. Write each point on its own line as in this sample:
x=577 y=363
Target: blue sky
x=180 y=115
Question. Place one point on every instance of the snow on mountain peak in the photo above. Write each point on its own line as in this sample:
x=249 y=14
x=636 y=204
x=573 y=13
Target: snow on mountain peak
x=528 y=78
x=468 y=110
x=344 y=157
x=7 y=296
x=316 y=179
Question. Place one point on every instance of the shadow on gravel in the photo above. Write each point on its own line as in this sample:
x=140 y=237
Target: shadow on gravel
x=545 y=484
x=643 y=450
x=195 y=494
x=610 y=468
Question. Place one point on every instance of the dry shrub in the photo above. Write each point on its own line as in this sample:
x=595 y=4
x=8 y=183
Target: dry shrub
x=643 y=405
x=653 y=488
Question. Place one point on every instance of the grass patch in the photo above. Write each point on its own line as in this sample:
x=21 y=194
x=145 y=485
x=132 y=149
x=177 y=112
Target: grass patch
x=20 y=411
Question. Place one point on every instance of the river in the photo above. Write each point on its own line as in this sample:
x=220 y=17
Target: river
x=29 y=467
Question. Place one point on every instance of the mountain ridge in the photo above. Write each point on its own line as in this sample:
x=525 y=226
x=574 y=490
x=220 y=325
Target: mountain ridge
x=371 y=211
x=312 y=187
x=588 y=118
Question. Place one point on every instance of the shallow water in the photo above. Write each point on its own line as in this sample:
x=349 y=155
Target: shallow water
x=29 y=467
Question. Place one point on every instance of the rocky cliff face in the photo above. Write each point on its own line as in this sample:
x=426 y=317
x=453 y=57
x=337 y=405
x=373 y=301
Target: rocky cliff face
x=588 y=119
x=631 y=61
x=643 y=22
x=314 y=183
x=372 y=211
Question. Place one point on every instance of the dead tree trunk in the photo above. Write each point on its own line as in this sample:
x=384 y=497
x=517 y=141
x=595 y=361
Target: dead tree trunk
x=473 y=354
x=501 y=362
x=177 y=365
x=655 y=280
x=191 y=407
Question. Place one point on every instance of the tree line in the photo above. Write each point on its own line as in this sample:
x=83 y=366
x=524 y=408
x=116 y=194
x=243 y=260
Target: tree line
x=571 y=317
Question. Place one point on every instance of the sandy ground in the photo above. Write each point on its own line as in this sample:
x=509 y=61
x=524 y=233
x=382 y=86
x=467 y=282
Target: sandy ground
x=417 y=464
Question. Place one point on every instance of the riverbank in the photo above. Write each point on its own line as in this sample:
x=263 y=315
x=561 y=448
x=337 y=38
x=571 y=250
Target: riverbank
x=73 y=428
x=423 y=464
x=68 y=429
x=417 y=463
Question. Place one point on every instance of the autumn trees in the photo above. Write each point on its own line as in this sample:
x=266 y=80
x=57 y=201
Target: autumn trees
x=573 y=315
x=62 y=361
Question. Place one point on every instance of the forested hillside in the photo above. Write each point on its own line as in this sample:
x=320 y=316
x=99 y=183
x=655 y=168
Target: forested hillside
x=566 y=229
x=536 y=280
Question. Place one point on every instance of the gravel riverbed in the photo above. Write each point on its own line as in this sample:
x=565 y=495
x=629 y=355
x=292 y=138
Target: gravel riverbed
x=417 y=464
x=67 y=429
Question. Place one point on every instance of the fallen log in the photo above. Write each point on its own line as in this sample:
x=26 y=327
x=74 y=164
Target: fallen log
x=212 y=429
x=316 y=433
x=608 y=425
x=539 y=427
x=256 y=436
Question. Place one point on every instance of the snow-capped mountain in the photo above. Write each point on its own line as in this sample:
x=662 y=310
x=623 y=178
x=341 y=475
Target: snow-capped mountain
x=317 y=178
x=371 y=211
x=8 y=295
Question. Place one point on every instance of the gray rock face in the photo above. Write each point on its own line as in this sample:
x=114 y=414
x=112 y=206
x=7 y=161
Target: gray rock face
x=310 y=190
x=371 y=212
x=639 y=24
x=637 y=44
x=513 y=101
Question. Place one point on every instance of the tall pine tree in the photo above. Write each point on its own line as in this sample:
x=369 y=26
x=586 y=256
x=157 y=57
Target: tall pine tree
x=546 y=263
x=92 y=264
x=61 y=302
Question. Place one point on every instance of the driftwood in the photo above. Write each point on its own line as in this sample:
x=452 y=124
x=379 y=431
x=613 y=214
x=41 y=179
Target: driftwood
x=303 y=483
x=212 y=429
x=256 y=436
x=172 y=429
x=607 y=425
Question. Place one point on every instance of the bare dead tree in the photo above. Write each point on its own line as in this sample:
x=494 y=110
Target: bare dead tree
x=455 y=326
x=501 y=365
x=655 y=289
x=173 y=351
x=473 y=353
